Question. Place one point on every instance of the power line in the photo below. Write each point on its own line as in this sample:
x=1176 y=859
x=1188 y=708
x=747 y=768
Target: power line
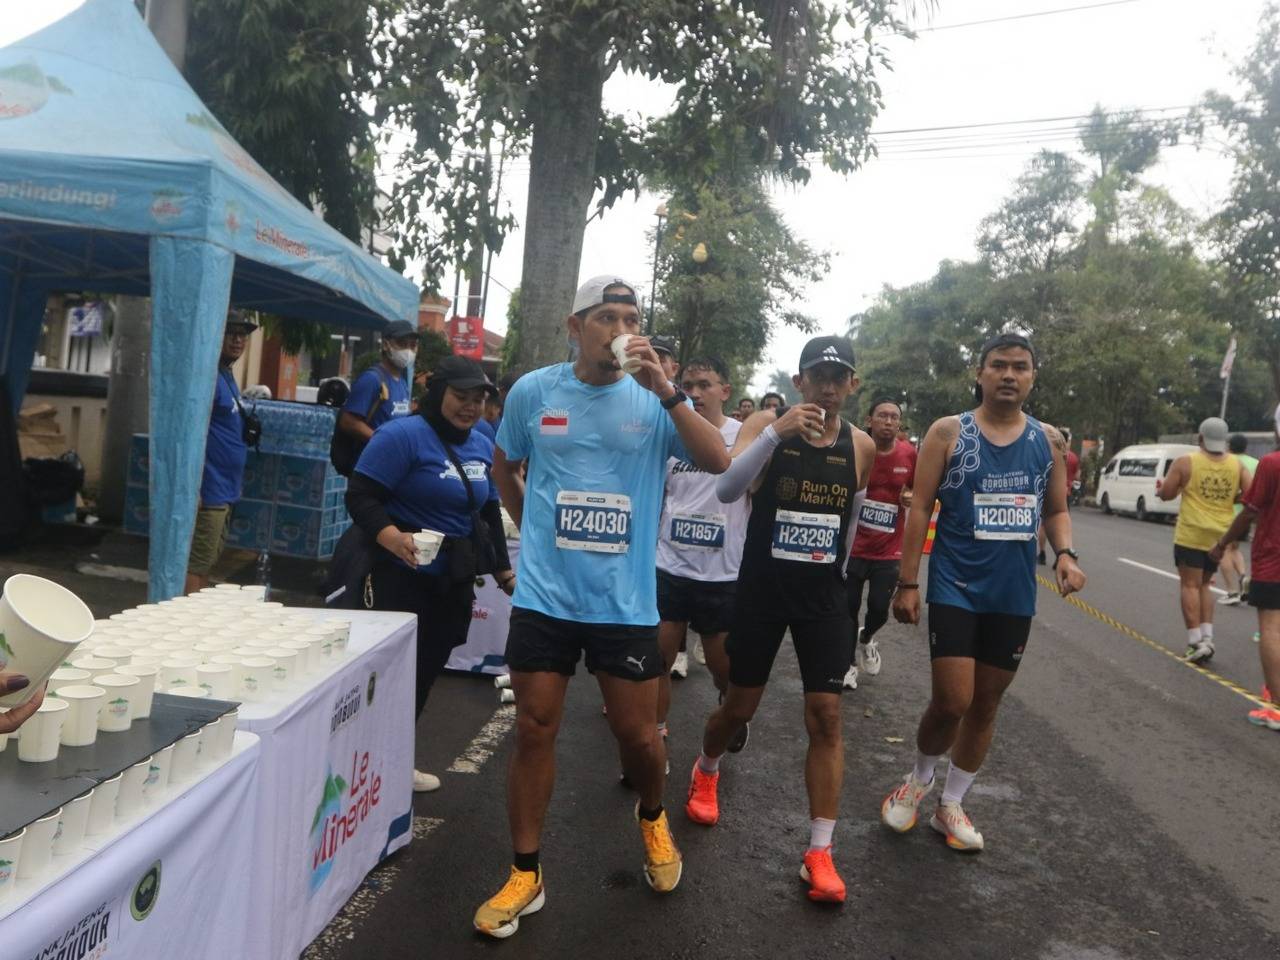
x=1025 y=16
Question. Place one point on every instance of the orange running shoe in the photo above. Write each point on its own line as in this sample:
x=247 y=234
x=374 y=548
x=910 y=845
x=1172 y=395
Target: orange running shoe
x=703 y=806
x=819 y=872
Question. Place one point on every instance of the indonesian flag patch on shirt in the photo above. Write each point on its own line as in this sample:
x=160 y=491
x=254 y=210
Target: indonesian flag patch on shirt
x=555 y=423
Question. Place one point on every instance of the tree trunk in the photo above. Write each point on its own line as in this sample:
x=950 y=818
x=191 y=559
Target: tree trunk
x=566 y=128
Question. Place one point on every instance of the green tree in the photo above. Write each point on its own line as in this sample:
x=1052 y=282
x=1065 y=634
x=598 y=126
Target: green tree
x=777 y=81
x=289 y=80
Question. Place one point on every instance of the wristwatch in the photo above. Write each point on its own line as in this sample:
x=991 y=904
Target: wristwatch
x=675 y=399
x=1065 y=551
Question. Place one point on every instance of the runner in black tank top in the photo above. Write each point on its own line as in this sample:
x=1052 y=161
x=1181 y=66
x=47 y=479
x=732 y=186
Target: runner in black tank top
x=805 y=466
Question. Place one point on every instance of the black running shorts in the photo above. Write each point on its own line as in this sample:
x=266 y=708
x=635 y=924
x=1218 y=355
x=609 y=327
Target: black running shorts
x=707 y=607
x=996 y=639
x=824 y=649
x=1190 y=557
x=1263 y=595
x=537 y=642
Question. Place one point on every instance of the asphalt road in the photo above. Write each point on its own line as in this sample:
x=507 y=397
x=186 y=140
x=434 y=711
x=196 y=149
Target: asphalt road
x=1129 y=810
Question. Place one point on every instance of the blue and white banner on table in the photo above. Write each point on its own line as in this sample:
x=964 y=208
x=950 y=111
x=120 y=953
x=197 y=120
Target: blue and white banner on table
x=486 y=646
x=173 y=885
x=336 y=785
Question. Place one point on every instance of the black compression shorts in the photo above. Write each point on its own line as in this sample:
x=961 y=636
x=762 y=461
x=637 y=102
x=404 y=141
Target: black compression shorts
x=537 y=642
x=996 y=639
x=707 y=607
x=824 y=649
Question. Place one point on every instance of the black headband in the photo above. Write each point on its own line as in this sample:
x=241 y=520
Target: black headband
x=619 y=298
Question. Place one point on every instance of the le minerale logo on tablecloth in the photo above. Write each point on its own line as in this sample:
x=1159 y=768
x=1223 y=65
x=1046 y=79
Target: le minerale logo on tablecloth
x=344 y=807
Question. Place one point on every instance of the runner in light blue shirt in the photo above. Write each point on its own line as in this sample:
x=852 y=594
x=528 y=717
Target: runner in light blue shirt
x=596 y=441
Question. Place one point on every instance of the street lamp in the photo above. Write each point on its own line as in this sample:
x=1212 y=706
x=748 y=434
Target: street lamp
x=661 y=214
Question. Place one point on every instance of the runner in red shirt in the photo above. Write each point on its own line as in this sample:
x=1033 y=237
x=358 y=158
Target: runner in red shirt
x=1072 y=463
x=1262 y=503
x=877 y=546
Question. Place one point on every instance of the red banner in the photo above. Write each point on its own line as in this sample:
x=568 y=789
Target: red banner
x=466 y=336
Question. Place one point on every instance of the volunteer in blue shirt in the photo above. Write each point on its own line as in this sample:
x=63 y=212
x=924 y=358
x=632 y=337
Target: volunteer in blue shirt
x=224 y=455
x=596 y=441
x=407 y=480
x=382 y=392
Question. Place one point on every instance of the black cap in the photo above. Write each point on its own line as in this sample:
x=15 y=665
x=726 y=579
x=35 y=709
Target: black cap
x=663 y=345
x=827 y=350
x=462 y=373
x=397 y=329
x=239 y=320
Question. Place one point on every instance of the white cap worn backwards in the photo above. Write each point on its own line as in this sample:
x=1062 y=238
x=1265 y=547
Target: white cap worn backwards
x=592 y=293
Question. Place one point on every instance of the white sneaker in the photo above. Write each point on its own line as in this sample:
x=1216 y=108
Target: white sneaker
x=900 y=808
x=681 y=667
x=425 y=782
x=951 y=821
x=868 y=657
x=1230 y=600
x=1199 y=652
x=698 y=653
x=851 y=679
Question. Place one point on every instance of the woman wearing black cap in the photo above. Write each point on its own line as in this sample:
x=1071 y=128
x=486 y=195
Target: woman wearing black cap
x=432 y=472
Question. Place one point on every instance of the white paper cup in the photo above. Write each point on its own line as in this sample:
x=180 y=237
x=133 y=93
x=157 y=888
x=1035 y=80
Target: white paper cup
x=341 y=633
x=41 y=623
x=118 y=655
x=308 y=656
x=42 y=733
x=95 y=665
x=117 y=712
x=233 y=587
x=255 y=591
x=286 y=669
x=261 y=643
x=142 y=695
x=216 y=680
x=178 y=672
x=207 y=651
x=258 y=677
x=37 y=846
x=10 y=860
x=84 y=704
x=102 y=809
x=208 y=743
x=233 y=661
x=66 y=676
x=322 y=637
x=158 y=775
x=426 y=544
x=619 y=348
x=226 y=735
x=186 y=757
x=817 y=434
x=194 y=692
x=272 y=605
x=133 y=782
x=71 y=828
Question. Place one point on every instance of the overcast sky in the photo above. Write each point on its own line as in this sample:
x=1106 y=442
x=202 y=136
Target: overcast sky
x=892 y=222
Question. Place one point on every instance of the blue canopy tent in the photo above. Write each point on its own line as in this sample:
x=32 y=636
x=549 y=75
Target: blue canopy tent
x=115 y=178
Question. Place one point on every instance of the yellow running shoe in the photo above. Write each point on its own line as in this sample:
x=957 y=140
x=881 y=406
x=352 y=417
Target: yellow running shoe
x=662 y=861
x=499 y=916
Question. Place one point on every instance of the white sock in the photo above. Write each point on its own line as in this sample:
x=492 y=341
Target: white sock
x=1206 y=631
x=1193 y=636
x=820 y=831
x=958 y=784
x=924 y=767
x=708 y=764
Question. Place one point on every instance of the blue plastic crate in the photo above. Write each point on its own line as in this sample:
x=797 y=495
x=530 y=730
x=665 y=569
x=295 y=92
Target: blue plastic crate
x=306 y=482
x=137 y=510
x=260 y=476
x=250 y=525
x=296 y=531
x=139 y=460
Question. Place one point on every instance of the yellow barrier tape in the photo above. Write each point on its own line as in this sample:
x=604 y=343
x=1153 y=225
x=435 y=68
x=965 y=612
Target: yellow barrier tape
x=1128 y=631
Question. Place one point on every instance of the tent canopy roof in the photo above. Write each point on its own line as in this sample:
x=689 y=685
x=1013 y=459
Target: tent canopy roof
x=103 y=144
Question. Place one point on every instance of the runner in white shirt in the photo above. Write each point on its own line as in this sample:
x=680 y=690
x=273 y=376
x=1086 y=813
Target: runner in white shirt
x=699 y=543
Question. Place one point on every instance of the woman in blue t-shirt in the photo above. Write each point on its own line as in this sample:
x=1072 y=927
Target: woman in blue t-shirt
x=408 y=479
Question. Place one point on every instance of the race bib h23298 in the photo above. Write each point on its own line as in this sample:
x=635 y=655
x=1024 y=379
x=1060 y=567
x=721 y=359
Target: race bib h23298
x=1004 y=516
x=599 y=522
x=806 y=537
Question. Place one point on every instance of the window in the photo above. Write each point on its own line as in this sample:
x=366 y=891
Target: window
x=1110 y=471
x=1138 y=468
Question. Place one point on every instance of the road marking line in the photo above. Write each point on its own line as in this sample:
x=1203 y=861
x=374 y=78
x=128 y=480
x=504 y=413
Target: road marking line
x=1164 y=573
x=1128 y=631
x=484 y=743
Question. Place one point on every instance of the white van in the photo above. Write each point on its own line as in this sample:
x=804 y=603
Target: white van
x=1128 y=484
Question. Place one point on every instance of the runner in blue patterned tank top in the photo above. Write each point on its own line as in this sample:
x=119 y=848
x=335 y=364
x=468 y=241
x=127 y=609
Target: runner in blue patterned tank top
x=997 y=472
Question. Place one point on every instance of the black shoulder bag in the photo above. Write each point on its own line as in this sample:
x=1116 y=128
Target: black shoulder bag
x=473 y=556
x=344 y=449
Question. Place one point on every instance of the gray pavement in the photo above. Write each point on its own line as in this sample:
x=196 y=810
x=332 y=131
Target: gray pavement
x=1129 y=811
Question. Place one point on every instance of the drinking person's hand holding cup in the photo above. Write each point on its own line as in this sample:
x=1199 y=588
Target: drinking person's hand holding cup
x=627 y=360
x=11 y=720
x=804 y=418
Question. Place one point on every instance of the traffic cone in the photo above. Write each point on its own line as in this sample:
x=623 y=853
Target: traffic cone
x=933 y=528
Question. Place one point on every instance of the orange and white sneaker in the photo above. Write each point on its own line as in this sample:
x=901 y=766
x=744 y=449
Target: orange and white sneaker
x=951 y=821
x=703 y=806
x=663 y=864
x=819 y=872
x=901 y=808
x=1265 y=717
x=523 y=894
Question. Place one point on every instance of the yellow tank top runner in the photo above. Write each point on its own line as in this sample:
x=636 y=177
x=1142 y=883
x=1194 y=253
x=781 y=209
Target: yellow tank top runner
x=1207 y=501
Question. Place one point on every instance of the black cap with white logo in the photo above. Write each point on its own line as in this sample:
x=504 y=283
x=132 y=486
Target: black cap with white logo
x=827 y=350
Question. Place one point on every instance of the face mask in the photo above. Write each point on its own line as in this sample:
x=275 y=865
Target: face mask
x=403 y=359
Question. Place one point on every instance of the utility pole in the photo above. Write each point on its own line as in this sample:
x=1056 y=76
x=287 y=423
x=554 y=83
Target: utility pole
x=129 y=386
